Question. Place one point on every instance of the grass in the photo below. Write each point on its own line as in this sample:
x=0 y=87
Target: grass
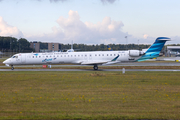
x=89 y=95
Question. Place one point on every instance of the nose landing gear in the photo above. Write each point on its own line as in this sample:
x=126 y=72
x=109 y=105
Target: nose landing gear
x=95 y=67
x=12 y=68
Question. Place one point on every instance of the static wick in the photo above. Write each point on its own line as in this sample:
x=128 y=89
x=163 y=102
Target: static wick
x=123 y=71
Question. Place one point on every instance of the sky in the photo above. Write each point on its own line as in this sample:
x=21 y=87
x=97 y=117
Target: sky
x=91 y=21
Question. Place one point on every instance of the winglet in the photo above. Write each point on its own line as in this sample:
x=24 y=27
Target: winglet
x=115 y=58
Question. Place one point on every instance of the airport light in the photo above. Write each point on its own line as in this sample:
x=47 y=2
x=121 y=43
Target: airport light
x=126 y=42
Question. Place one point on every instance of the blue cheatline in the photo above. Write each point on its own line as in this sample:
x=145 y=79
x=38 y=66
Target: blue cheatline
x=155 y=49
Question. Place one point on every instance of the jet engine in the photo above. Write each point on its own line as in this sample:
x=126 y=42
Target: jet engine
x=136 y=53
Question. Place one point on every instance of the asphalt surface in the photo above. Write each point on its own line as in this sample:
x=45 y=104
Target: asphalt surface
x=120 y=64
x=172 y=70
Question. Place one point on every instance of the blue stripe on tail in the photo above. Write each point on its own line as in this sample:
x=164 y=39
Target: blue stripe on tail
x=155 y=49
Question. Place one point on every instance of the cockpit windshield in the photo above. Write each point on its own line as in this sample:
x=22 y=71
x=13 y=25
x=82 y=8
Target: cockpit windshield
x=14 y=56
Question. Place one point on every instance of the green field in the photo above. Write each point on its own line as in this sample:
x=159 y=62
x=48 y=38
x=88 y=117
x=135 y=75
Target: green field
x=89 y=95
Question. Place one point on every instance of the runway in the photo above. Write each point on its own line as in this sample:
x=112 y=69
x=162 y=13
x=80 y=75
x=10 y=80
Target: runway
x=120 y=64
x=146 y=70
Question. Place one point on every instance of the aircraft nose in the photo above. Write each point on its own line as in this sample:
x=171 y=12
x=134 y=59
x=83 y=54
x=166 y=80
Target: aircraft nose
x=4 y=62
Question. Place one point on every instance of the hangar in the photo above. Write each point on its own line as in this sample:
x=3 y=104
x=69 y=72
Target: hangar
x=173 y=51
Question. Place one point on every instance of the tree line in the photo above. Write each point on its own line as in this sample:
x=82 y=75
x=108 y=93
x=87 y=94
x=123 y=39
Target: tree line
x=11 y=44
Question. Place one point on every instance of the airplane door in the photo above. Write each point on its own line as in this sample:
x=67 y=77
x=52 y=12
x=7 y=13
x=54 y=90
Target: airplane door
x=23 y=58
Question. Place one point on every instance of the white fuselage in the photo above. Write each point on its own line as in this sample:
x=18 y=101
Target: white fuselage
x=96 y=57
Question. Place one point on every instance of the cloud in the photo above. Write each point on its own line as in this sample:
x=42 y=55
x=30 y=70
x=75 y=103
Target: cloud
x=8 y=30
x=108 y=1
x=145 y=36
x=72 y=28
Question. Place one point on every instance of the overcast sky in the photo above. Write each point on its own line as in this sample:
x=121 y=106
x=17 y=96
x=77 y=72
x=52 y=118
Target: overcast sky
x=91 y=21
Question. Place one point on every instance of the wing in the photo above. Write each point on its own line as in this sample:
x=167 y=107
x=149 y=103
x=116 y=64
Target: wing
x=100 y=62
x=96 y=62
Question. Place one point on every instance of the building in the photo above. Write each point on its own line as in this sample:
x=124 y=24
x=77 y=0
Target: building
x=173 y=50
x=35 y=45
x=45 y=47
x=53 y=46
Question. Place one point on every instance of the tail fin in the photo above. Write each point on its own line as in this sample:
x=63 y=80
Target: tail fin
x=155 y=48
x=109 y=48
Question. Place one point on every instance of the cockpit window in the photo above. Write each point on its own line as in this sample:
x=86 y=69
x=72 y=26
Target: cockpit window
x=14 y=56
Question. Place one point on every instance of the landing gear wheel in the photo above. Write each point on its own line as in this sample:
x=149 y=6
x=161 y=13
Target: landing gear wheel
x=12 y=68
x=95 y=67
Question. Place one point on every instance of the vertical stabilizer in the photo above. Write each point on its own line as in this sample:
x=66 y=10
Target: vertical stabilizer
x=109 y=48
x=154 y=50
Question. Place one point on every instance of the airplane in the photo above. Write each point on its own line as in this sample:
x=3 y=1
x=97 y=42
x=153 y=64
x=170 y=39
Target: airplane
x=71 y=50
x=94 y=58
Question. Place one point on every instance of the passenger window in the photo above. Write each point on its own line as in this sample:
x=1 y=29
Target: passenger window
x=107 y=54
x=99 y=55
x=102 y=54
x=95 y=55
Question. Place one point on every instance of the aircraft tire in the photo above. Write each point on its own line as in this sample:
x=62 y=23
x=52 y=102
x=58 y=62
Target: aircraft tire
x=95 y=67
x=12 y=68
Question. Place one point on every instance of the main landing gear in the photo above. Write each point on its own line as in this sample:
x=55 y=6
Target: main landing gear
x=95 y=67
x=12 y=68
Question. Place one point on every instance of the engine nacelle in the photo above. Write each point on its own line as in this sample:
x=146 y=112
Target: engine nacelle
x=136 y=53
